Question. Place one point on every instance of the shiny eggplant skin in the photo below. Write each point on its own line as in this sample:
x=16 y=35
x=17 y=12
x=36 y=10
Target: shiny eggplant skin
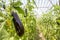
x=18 y=24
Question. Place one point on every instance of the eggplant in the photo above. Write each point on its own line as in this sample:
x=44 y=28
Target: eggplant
x=25 y=13
x=4 y=6
x=18 y=24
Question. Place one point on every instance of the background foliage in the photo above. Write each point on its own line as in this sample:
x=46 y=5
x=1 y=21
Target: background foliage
x=48 y=24
x=7 y=29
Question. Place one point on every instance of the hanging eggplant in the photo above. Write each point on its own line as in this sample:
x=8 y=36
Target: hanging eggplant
x=18 y=24
x=4 y=6
x=25 y=13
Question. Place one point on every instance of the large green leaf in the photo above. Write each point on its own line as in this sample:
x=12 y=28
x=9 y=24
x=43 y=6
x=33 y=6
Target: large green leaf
x=20 y=10
x=16 y=4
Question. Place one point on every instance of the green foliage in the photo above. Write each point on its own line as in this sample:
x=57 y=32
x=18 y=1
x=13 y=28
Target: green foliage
x=48 y=24
x=7 y=29
x=17 y=4
x=56 y=7
x=20 y=10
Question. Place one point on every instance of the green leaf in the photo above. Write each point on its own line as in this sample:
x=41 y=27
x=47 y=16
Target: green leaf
x=34 y=2
x=17 y=4
x=56 y=7
x=30 y=7
x=1 y=19
x=28 y=1
x=20 y=10
x=1 y=14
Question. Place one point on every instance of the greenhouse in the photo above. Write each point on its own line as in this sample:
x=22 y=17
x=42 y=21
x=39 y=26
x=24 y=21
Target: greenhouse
x=29 y=19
